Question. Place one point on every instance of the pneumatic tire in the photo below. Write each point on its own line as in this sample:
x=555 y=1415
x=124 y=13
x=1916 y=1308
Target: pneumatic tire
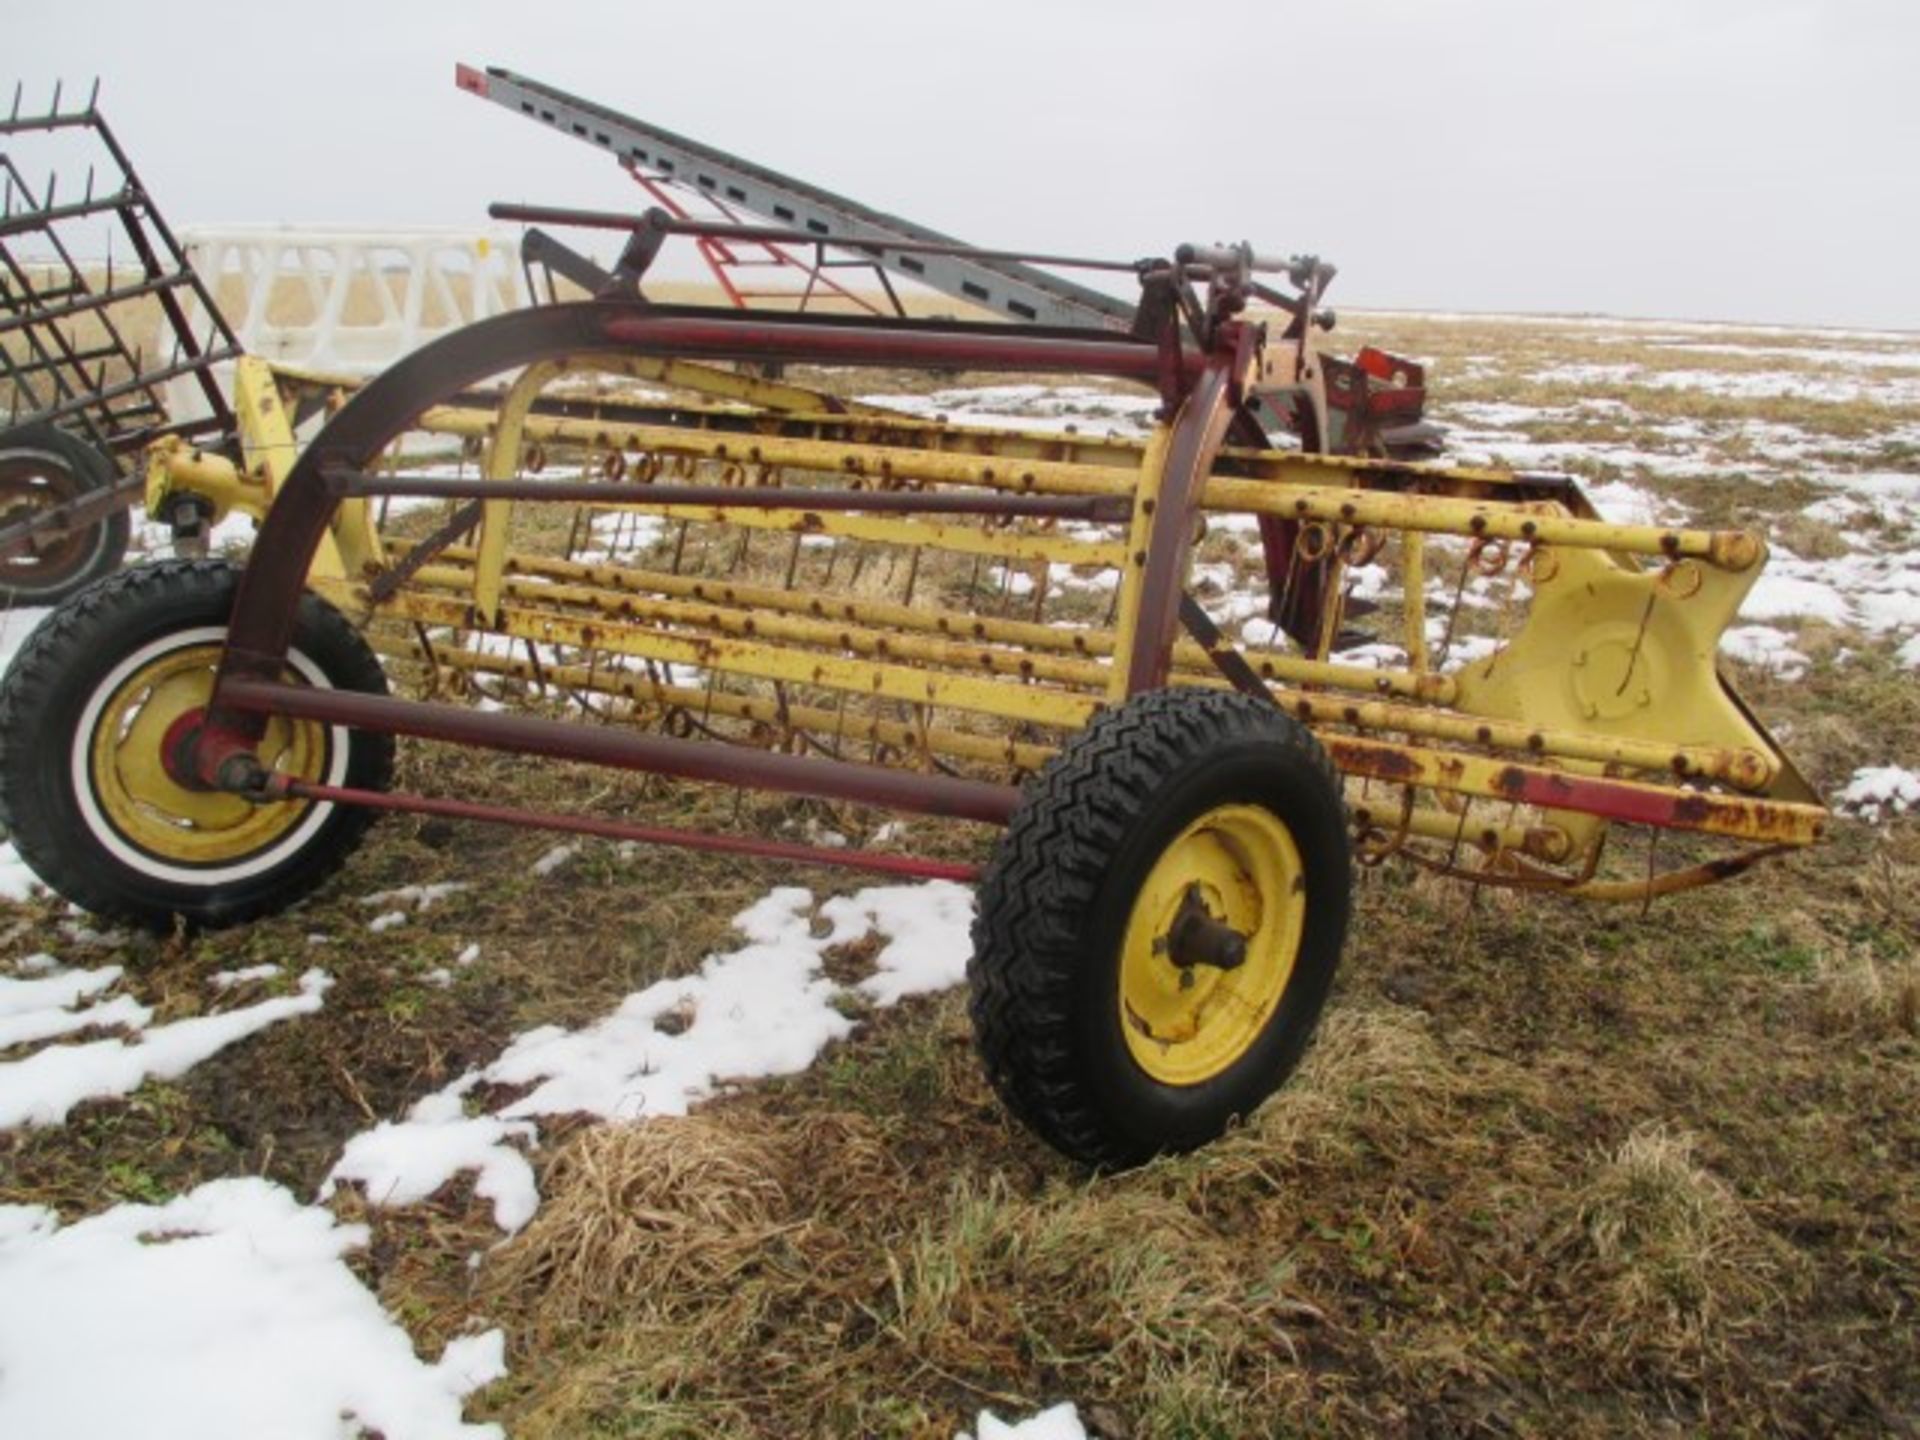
x=83 y=710
x=1202 y=809
x=42 y=466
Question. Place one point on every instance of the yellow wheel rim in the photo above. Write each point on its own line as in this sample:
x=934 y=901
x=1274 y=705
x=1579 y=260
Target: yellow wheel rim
x=130 y=783
x=1186 y=1023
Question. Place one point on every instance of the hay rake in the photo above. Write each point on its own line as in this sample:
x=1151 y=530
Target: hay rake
x=593 y=531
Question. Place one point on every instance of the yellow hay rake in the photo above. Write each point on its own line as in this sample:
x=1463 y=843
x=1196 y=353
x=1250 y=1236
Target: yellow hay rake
x=1193 y=671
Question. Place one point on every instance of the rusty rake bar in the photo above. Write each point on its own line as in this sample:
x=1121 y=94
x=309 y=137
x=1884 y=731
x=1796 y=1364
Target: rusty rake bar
x=353 y=483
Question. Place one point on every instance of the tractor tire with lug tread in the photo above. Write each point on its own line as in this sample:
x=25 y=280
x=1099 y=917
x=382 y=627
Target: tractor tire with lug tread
x=41 y=466
x=1102 y=1027
x=84 y=709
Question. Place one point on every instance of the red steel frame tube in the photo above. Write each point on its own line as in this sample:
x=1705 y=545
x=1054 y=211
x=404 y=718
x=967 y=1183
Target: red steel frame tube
x=869 y=860
x=894 y=789
x=248 y=688
x=271 y=586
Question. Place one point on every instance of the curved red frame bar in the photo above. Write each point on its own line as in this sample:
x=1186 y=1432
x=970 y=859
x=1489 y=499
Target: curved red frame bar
x=248 y=689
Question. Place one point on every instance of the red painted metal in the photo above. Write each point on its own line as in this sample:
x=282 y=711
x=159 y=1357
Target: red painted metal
x=815 y=340
x=1198 y=432
x=1611 y=799
x=724 y=256
x=870 y=860
x=271 y=587
x=894 y=789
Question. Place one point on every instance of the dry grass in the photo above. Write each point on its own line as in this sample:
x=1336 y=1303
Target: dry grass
x=1667 y=1252
x=1862 y=994
x=639 y=1217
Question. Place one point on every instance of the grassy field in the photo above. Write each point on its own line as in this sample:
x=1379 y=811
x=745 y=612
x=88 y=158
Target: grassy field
x=1548 y=1169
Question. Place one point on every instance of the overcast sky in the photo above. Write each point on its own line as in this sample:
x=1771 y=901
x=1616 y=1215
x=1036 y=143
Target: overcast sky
x=1719 y=159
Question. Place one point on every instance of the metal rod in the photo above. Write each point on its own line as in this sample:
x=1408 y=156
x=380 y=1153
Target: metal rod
x=25 y=220
x=757 y=497
x=661 y=222
x=96 y=300
x=72 y=515
x=943 y=795
x=869 y=860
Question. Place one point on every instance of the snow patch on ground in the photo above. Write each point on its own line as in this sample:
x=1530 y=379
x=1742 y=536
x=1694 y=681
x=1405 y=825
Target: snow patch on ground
x=764 y=1009
x=1766 y=648
x=44 y=1087
x=421 y=897
x=1880 y=792
x=16 y=880
x=403 y=1162
x=1061 y=1422
x=226 y=1312
x=1051 y=408
x=1876 y=592
x=227 y=979
x=553 y=860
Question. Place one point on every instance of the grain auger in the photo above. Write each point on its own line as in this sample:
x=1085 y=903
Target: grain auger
x=1191 y=673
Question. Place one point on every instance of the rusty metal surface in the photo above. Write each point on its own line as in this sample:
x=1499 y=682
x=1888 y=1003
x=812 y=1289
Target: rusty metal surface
x=948 y=690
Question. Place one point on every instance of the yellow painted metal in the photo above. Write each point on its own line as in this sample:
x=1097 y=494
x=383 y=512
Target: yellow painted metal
x=166 y=819
x=1037 y=704
x=753 y=391
x=1628 y=657
x=1611 y=673
x=1747 y=766
x=1742 y=817
x=503 y=462
x=1392 y=822
x=1133 y=570
x=854 y=639
x=1296 y=486
x=269 y=450
x=958 y=536
x=859 y=733
x=1541 y=522
x=1413 y=602
x=1190 y=660
x=1187 y=1025
x=173 y=464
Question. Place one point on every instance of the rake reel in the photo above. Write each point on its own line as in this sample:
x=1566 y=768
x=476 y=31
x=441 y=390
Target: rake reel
x=1194 y=672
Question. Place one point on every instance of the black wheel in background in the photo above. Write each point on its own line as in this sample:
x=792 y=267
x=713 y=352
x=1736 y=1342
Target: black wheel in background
x=42 y=466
